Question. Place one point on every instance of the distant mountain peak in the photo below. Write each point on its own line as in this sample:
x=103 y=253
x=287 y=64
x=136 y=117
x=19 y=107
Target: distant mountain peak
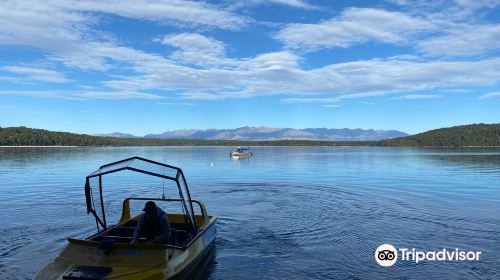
x=116 y=135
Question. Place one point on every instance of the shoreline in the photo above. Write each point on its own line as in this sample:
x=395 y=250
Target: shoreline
x=41 y=146
x=340 y=146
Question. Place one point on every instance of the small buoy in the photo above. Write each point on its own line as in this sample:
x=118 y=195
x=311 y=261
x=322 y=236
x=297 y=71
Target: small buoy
x=211 y=164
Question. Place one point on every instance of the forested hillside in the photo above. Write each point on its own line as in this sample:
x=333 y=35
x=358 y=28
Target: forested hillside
x=484 y=135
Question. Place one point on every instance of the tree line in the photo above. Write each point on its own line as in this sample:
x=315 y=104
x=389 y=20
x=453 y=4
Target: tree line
x=481 y=135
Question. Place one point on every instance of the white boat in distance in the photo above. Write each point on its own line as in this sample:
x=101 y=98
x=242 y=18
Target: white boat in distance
x=241 y=152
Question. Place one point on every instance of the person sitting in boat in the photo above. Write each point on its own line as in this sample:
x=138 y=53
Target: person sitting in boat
x=153 y=225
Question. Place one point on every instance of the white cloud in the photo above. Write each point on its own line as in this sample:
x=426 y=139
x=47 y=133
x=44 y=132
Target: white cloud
x=37 y=74
x=212 y=96
x=366 y=103
x=474 y=40
x=64 y=34
x=193 y=42
x=43 y=25
x=279 y=73
x=333 y=99
x=489 y=95
x=179 y=11
x=117 y=95
x=457 y=90
x=273 y=61
x=82 y=95
x=433 y=28
x=177 y=103
x=11 y=79
x=234 y=77
x=416 y=97
x=475 y=4
x=310 y=100
x=394 y=75
x=354 y=26
x=299 y=4
x=332 y=105
x=399 y=2
x=195 y=49
x=62 y=28
x=379 y=77
x=202 y=96
x=292 y=3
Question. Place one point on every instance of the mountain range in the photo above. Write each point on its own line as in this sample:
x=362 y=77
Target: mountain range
x=269 y=134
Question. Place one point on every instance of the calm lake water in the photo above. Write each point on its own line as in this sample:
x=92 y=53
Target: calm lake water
x=285 y=213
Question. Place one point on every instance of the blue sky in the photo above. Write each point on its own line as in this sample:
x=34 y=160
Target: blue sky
x=150 y=66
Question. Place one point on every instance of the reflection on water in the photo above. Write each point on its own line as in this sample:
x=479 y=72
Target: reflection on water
x=285 y=213
x=204 y=268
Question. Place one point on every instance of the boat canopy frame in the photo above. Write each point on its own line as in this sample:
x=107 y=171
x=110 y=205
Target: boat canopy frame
x=139 y=164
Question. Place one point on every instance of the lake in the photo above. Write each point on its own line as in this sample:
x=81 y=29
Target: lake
x=285 y=213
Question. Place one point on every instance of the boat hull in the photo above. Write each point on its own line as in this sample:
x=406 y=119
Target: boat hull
x=235 y=154
x=133 y=261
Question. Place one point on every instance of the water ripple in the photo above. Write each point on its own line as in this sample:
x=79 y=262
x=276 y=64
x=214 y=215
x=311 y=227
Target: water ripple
x=286 y=213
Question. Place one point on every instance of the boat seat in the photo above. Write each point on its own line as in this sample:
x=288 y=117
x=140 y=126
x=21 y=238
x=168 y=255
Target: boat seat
x=183 y=237
x=181 y=226
x=121 y=231
x=131 y=223
x=125 y=234
x=176 y=226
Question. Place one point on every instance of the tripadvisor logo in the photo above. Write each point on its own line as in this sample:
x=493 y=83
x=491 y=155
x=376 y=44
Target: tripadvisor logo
x=387 y=255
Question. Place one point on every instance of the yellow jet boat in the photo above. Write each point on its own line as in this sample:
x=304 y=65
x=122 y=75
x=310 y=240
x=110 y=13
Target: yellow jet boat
x=108 y=254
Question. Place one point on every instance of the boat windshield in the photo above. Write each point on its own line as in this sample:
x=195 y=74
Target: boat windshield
x=94 y=186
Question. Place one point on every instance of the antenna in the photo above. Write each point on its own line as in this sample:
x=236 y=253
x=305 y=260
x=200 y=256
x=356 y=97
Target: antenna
x=163 y=182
